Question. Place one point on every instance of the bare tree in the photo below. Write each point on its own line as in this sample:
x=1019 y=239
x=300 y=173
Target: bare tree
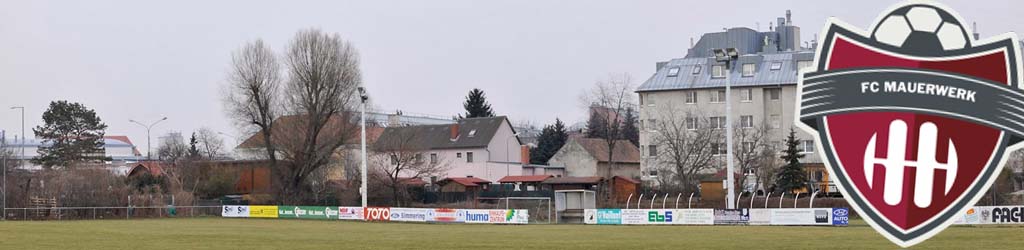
x=172 y=149
x=399 y=156
x=606 y=102
x=750 y=146
x=685 y=141
x=323 y=74
x=209 y=142
x=253 y=94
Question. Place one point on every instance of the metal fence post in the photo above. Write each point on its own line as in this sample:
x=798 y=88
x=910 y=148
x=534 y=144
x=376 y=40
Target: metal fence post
x=796 y=199
x=766 y=199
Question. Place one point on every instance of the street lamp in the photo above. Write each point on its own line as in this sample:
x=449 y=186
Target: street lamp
x=4 y=165
x=149 y=153
x=22 y=131
x=507 y=161
x=728 y=56
x=362 y=144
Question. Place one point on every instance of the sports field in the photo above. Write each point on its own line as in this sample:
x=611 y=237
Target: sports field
x=219 y=233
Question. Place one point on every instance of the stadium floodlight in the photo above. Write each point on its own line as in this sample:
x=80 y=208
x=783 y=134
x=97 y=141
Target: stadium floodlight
x=362 y=144
x=728 y=56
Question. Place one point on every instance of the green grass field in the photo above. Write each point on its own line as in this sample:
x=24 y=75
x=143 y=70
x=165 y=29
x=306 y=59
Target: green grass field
x=218 y=233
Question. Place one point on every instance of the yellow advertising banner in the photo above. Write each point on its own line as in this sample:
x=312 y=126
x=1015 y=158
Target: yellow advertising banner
x=263 y=211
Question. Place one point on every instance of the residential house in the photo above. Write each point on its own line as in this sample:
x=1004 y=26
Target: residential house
x=586 y=157
x=485 y=148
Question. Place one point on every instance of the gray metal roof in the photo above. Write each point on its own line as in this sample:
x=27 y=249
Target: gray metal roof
x=763 y=76
x=473 y=133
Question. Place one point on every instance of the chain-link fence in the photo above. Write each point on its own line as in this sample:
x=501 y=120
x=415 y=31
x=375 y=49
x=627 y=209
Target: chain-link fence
x=128 y=212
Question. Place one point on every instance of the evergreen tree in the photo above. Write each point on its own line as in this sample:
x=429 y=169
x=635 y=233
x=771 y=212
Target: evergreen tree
x=792 y=175
x=193 y=149
x=476 y=105
x=551 y=139
x=597 y=126
x=629 y=129
x=74 y=133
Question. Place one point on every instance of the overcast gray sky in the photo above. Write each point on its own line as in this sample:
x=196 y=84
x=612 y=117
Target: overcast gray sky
x=145 y=59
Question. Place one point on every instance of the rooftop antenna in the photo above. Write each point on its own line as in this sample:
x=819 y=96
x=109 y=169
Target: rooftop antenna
x=975 y=29
x=691 y=42
x=789 y=17
x=771 y=26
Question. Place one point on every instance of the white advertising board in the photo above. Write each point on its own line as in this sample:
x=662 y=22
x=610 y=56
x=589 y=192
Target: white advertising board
x=234 y=211
x=761 y=216
x=801 y=216
x=410 y=214
x=350 y=213
x=694 y=216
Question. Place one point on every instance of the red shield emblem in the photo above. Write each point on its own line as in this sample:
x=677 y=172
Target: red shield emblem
x=914 y=121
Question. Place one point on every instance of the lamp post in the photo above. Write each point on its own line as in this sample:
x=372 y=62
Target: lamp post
x=149 y=153
x=22 y=131
x=728 y=56
x=508 y=170
x=362 y=144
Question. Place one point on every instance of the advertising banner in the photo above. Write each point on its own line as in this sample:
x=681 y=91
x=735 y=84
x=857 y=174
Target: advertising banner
x=446 y=215
x=981 y=215
x=760 y=216
x=608 y=217
x=495 y=216
x=633 y=216
x=802 y=216
x=840 y=216
x=732 y=216
x=350 y=213
x=410 y=214
x=660 y=216
x=263 y=211
x=235 y=211
x=377 y=214
x=307 y=212
x=694 y=216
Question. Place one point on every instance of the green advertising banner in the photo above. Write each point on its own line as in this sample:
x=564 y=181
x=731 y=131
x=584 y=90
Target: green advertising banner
x=307 y=212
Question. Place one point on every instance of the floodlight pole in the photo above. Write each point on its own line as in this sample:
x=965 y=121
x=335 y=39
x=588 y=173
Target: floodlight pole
x=362 y=145
x=728 y=56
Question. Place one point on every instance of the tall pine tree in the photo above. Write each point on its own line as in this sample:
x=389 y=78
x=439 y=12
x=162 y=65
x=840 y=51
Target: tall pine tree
x=792 y=175
x=193 y=147
x=476 y=105
x=551 y=139
x=629 y=128
x=74 y=133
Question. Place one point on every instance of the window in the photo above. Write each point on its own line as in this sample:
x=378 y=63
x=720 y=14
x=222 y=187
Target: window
x=394 y=159
x=718 y=148
x=717 y=122
x=654 y=173
x=691 y=123
x=691 y=97
x=642 y=125
x=469 y=156
x=650 y=124
x=747 y=121
x=776 y=66
x=774 y=93
x=673 y=72
x=418 y=158
x=746 y=95
x=807 y=146
x=802 y=65
x=749 y=69
x=472 y=133
x=776 y=121
x=653 y=150
x=458 y=155
x=433 y=158
x=748 y=146
x=718 y=96
x=650 y=102
x=718 y=71
x=642 y=99
x=696 y=70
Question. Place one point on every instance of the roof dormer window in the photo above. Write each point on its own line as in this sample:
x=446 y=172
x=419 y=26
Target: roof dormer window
x=472 y=133
x=674 y=71
x=696 y=70
x=776 y=66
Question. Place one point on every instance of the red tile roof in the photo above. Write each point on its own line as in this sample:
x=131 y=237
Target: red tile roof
x=152 y=167
x=286 y=125
x=573 y=180
x=412 y=181
x=467 y=181
x=524 y=178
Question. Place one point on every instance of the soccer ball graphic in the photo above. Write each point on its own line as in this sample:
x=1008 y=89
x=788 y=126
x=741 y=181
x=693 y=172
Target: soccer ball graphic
x=921 y=28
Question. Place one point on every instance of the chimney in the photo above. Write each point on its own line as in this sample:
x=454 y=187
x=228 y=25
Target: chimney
x=524 y=150
x=789 y=17
x=455 y=131
x=975 y=29
x=691 y=42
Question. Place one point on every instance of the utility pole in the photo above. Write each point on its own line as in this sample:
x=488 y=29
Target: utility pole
x=149 y=151
x=362 y=154
x=22 y=108
x=728 y=56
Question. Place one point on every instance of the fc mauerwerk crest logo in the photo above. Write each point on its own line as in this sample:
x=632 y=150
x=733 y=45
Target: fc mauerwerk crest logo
x=914 y=116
